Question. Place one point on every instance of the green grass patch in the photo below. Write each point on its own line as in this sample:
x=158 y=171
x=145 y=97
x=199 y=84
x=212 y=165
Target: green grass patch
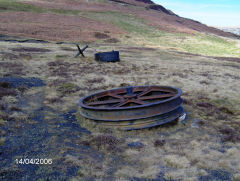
x=63 y=11
x=61 y=56
x=211 y=45
x=12 y=5
x=127 y=22
x=144 y=35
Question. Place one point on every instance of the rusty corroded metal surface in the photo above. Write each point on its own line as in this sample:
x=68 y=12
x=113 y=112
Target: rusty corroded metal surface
x=133 y=107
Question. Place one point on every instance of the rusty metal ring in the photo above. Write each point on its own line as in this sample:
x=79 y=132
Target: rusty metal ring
x=132 y=103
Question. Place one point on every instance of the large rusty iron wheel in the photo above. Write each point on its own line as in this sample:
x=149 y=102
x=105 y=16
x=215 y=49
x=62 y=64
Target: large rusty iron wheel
x=133 y=107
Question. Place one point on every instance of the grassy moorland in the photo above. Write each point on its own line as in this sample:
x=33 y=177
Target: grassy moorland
x=39 y=116
x=143 y=35
x=135 y=30
x=46 y=121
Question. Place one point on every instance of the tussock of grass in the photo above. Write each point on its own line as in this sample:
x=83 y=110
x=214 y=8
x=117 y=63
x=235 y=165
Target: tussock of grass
x=2 y=140
x=2 y=122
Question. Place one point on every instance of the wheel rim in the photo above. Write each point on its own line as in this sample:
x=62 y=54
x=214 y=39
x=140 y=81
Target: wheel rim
x=130 y=97
x=132 y=104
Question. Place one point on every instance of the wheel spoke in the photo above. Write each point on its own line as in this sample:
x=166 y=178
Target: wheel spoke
x=155 y=96
x=103 y=102
x=121 y=103
x=146 y=91
x=116 y=96
x=139 y=102
x=96 y=97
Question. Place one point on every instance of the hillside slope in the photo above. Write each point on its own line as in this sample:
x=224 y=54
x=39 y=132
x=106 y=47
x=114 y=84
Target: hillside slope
x=138 y=22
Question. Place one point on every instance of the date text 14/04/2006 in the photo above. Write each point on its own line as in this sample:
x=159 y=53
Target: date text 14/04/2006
x=34 y=161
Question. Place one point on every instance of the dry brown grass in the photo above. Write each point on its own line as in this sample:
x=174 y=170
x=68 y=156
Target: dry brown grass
x=180 y=151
